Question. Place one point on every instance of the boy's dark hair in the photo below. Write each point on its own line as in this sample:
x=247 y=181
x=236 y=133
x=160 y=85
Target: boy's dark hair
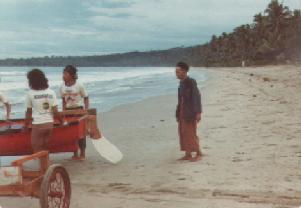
x=37 y=80
x=70 y=69
x=183 y=66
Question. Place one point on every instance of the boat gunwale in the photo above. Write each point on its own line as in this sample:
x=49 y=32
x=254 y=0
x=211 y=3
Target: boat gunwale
x=9 y=131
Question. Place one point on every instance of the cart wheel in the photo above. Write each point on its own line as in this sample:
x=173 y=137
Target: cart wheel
x=55 y=188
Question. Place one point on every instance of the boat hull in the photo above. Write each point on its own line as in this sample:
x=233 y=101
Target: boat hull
x=15 y=141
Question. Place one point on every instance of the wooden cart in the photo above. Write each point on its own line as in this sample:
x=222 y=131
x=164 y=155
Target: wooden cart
x=49 y=183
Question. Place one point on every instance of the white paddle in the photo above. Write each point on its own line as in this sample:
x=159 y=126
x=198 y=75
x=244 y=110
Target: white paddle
x=103 y=146
x=107 y=150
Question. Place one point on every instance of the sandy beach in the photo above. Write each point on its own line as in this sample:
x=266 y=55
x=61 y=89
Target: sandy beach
x=250 y=136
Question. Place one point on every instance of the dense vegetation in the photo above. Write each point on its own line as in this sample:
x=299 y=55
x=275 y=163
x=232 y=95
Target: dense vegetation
x=151 y=58
x=273 y=38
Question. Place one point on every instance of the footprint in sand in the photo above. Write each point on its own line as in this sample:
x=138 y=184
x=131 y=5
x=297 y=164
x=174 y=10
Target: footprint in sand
x=154 y=200
x=226 y=109
x=236 y=159
x=270 y=145
x=119 y=186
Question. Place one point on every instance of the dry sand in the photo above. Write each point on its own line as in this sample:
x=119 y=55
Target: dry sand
x=250 y=135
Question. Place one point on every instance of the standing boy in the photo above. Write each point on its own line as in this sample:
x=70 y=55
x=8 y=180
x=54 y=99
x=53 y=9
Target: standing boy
x=41 y=108
x=74 y=96
x=188 y=113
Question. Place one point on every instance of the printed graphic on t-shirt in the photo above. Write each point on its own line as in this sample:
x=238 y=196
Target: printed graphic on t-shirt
x=71 y=98
x=41 y=102
x=44 y=99
x=46 y=106
x=73 y=95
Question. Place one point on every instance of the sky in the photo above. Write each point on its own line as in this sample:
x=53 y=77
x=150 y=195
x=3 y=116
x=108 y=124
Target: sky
x=35 y=28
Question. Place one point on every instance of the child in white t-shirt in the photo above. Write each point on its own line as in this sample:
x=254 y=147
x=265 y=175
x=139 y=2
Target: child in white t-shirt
x=41 y=104
x=74 y=96
x=6 y=104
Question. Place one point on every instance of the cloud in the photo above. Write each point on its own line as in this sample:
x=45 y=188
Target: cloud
x=85 y=27
x=113 y=4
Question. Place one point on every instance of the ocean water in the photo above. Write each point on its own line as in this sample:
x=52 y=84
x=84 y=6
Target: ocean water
x=108 y=87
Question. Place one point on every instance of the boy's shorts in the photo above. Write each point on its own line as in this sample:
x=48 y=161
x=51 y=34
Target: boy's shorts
x=40 y=135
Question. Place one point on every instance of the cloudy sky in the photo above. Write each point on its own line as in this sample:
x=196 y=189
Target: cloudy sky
x=87 y=27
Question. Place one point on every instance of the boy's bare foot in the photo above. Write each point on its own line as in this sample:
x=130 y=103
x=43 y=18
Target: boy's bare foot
x=74 y=157
x=82 y=155
x=196 y=158
x=186 y=157
x=82 y=158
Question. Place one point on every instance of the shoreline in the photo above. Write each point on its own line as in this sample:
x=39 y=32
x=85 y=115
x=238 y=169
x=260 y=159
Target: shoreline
x=148 y=66
x=249 y=134
x=201 y=85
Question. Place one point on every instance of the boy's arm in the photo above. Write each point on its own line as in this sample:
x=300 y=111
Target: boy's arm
x=56 y=114
x=63 y=98
x=54 y=108
x=28 y=117
x=84 y=94
x=86 y=102
x=196 y=99
x=63 y=103
x=28 y=114
x=178 y=107
x=8 y=110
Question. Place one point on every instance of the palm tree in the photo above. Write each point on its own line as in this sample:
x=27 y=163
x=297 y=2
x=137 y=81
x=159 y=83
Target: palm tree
x=277 y=21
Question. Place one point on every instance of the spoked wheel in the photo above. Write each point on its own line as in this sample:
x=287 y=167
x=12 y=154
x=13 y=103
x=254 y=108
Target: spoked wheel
x=55 y=188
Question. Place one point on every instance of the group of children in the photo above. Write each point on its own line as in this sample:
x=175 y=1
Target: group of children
x=42 y=107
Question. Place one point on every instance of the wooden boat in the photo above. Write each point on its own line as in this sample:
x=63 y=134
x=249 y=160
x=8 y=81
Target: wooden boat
x=15 y=141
